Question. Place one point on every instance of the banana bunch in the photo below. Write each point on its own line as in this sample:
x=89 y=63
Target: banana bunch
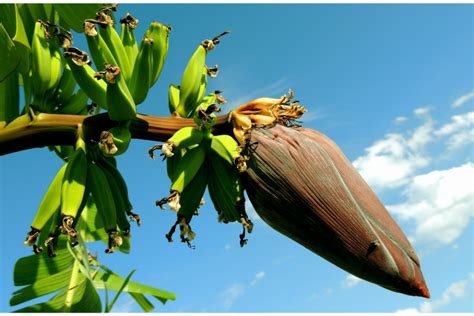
x=225 y=185
x=197 y=159
x=132 y=69
x=110 y=193
x=62 y=203
x=86 y=174
x=52 y=84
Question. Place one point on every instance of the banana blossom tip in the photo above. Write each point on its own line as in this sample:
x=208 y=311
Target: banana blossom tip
x=302 y=185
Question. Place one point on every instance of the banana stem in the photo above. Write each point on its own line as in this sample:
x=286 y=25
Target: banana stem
x=61 y=129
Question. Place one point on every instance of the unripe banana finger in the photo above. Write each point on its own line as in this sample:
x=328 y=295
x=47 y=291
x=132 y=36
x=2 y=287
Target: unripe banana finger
x=104 y=199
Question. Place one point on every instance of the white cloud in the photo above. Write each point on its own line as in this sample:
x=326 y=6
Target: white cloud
x=231 y=294
x=400 y=120
x=390 y=162
x=258 y=277
x=455 y=291
x=423 y=111
x=439 y=203
x=460 y=131
x=350 y=281
x=462 y=100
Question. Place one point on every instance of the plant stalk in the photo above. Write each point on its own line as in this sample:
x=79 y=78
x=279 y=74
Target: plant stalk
x=61 y=129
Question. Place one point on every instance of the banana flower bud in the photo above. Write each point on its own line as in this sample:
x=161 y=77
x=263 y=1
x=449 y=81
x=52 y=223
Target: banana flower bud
x=302 y=185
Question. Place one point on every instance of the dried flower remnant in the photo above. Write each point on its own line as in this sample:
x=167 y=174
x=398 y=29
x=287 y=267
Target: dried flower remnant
x=327 y=207
x=265 y=112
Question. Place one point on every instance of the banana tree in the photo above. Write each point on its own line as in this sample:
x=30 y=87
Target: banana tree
x=82 y=104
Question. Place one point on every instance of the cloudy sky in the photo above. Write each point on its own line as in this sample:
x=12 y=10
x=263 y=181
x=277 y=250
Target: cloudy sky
x=391 y=84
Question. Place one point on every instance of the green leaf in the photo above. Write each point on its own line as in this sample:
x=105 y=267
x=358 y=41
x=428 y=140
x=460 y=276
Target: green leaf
x=108 y=308
x=82 y=264
x=47 y=285
x=141 y=300
x=75 y=14
x=90 y=226
x=9 y=55
x=84 y=298
x=36 y=267
x=113 y=282
x=7 y=12
x=22 y=44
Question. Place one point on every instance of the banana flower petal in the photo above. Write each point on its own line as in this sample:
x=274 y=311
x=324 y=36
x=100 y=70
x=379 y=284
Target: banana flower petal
x=302 y=185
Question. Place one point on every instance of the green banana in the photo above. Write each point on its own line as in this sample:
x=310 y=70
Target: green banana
x=190 y=200
x=121 y=106
x=225 y=186
x=73 y=189
x=160 y=34
x=121 y=208
x=100 y=51
x=140 y=82
x=115 y=141
x=56 y=63
x=50 y=204
x=173 y=98
x=108 y=164
x=66 y=86
x=191 y=82
x=183 y=138
x=9 y=98
x=100 y=190
x=76 y=104
x=225 y=190
x=172 y=162
x=114 y=43
x=40 y=61
x=186 y=170
x=226 y=147
x=50 y=233
x=96 y=89
x=202 y=87
x=192 y=79
x=129 y=23
x=63 y=151
x=191 y=197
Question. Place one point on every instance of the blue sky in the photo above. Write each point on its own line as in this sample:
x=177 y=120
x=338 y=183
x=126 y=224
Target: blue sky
x=393 y=85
